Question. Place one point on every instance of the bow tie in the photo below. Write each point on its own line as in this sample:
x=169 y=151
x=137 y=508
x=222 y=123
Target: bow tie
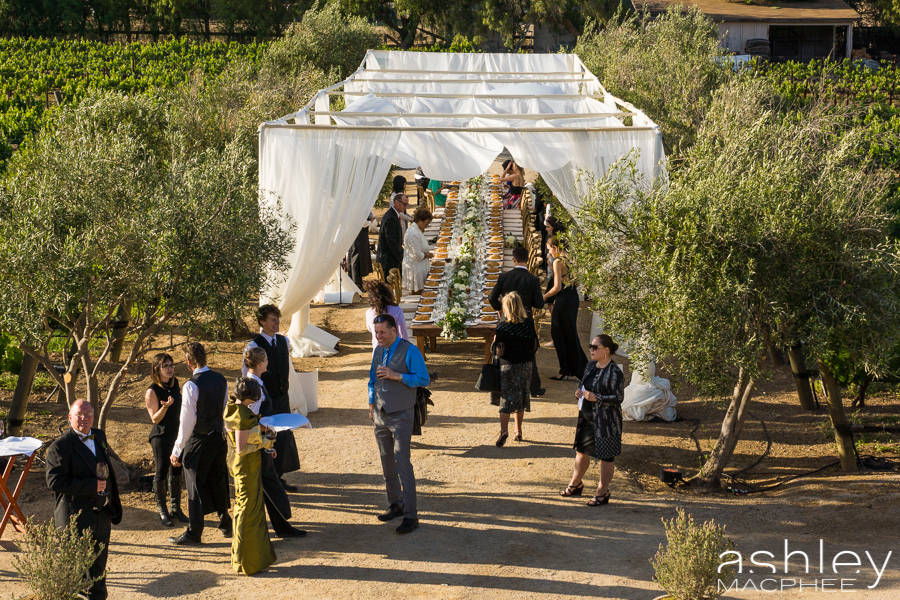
x=85 y=438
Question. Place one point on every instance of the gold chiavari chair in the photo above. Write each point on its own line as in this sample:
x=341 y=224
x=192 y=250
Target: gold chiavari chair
x=379 y=271
x=396 y=285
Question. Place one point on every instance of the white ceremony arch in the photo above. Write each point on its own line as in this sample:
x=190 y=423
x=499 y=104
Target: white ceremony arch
x=451 y=114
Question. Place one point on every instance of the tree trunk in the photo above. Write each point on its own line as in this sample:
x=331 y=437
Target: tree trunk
x=410 y=37
x=711 y=473
x=843 y=437
x=860 y=400
x=119 y=329
x=801 y=377
x=19 y=405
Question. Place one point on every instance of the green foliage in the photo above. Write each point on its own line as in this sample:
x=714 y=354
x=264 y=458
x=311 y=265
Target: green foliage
x=326 y=40
x=688 y=566
x=31 y=68
x=836 y=81
x=775 y=224
x=115 y=205
x=10 y=355
x=664 y=66
x=55 y=561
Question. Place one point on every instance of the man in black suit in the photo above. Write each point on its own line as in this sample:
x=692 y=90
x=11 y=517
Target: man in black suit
x=72 y=475
x=528 y=286
x=201 y=447
x=276 y=381
x=390 y=238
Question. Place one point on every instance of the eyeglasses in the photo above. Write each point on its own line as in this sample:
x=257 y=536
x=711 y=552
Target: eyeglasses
x=593 y=347
x=83 y=415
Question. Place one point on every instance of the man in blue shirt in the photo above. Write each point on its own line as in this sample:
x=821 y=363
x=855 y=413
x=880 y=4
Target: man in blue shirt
x=398 y=368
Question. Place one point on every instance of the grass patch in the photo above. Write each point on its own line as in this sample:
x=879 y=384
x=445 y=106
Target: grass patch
x=42 y=381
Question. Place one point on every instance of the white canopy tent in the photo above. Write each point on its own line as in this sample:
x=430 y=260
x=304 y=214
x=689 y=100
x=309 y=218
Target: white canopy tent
x=451 y=114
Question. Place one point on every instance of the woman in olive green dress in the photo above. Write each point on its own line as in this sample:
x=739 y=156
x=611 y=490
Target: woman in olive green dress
x=251 y=549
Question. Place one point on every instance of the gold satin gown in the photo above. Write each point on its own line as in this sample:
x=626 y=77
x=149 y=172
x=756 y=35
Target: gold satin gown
x=251 y=548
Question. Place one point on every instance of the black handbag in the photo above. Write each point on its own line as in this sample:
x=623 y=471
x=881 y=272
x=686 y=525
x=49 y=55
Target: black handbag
x=489 y=380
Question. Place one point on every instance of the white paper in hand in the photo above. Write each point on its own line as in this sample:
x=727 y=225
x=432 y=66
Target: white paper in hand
x=285 y=422
x=581 y=400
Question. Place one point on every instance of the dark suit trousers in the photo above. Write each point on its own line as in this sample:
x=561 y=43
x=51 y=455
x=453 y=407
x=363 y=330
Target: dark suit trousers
x=278 y=505
x=287 y=457
x=206 y=480
x=100 y=535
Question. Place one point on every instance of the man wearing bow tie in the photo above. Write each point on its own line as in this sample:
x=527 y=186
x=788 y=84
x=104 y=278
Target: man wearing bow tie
x=72 y=475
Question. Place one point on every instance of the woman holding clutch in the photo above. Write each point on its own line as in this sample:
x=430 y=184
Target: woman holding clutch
x=251 y=549
x=598 y=433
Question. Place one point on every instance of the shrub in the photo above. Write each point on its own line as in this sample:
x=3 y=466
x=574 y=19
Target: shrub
x=324 y=39
x=688 y=567
x=56 y=561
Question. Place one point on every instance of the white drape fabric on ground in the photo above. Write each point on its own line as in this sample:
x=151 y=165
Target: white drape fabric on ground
x=327 y=182
x=648 y=396
x=328 y=179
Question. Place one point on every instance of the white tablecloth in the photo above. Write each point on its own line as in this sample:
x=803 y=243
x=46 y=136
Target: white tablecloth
x=13 y=446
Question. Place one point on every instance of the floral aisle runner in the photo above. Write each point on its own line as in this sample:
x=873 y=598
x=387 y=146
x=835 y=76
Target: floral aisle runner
x=467 y=260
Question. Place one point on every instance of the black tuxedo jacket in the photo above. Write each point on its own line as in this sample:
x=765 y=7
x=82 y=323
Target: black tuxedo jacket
x=390 y=242
x=72 y=476
x=527 y=285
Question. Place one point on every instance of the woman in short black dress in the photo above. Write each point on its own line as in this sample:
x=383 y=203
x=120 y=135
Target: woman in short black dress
x=599 y=430
x=564 y=318
x=515 y=342
x=163 y=400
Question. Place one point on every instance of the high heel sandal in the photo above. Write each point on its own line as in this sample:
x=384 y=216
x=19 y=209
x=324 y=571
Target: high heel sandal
x=573 y=490
x=502 y=439
x=518 y=437
x=560 y=378
x=599 y=500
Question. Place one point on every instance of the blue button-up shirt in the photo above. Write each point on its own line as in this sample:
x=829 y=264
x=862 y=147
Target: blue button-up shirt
x=415 y=364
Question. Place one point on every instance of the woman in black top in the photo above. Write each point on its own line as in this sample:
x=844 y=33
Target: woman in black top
x=163 y=400
x=598 y=433
x=564 y=318
x=515 y=343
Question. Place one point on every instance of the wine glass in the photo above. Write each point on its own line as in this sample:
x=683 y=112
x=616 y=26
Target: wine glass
x=103 y=473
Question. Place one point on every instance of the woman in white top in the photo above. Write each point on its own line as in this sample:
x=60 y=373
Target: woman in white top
x=416 y=252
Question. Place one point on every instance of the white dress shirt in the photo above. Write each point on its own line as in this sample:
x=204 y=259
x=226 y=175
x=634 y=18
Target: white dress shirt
x=246 y=372
x=189 y=395
x=258 y=404
x=89 y=443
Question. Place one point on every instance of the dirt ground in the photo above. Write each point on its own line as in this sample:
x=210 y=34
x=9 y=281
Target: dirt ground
x=492 y=522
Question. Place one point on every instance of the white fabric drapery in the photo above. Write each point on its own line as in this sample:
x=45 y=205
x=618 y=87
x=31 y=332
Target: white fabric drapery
x=648 y=396
x=451 y=114
x=327 y=181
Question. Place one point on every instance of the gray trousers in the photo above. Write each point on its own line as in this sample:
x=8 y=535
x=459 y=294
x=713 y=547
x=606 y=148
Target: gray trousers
x=393 y=433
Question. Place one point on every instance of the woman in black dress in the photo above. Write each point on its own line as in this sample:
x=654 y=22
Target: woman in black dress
x=599 y=429
x=163 y=400
x=564 y=318
x=515 y=342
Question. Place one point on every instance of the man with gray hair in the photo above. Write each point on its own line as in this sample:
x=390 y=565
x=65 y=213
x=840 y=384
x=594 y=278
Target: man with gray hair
x=390 y=238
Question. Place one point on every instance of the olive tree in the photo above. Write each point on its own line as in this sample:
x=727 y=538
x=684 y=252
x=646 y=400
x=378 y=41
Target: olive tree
x=775 y=225
x=669 y=66
x=108 y=209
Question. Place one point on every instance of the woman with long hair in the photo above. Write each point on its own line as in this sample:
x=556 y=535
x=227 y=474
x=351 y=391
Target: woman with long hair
x=515 y=344
x=381 y=302
x=163 y=402
x=564 y=318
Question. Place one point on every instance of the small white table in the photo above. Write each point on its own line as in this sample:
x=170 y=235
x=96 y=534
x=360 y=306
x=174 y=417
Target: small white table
x=12 y=447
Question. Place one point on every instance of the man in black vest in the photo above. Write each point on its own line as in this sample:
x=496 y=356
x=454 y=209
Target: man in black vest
x=528 y=286
x=72 y=475
x=398 y=369
x=201 y=446
x=277 y=383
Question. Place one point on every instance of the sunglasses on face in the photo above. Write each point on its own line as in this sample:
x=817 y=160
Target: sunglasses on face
x=594 y=347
